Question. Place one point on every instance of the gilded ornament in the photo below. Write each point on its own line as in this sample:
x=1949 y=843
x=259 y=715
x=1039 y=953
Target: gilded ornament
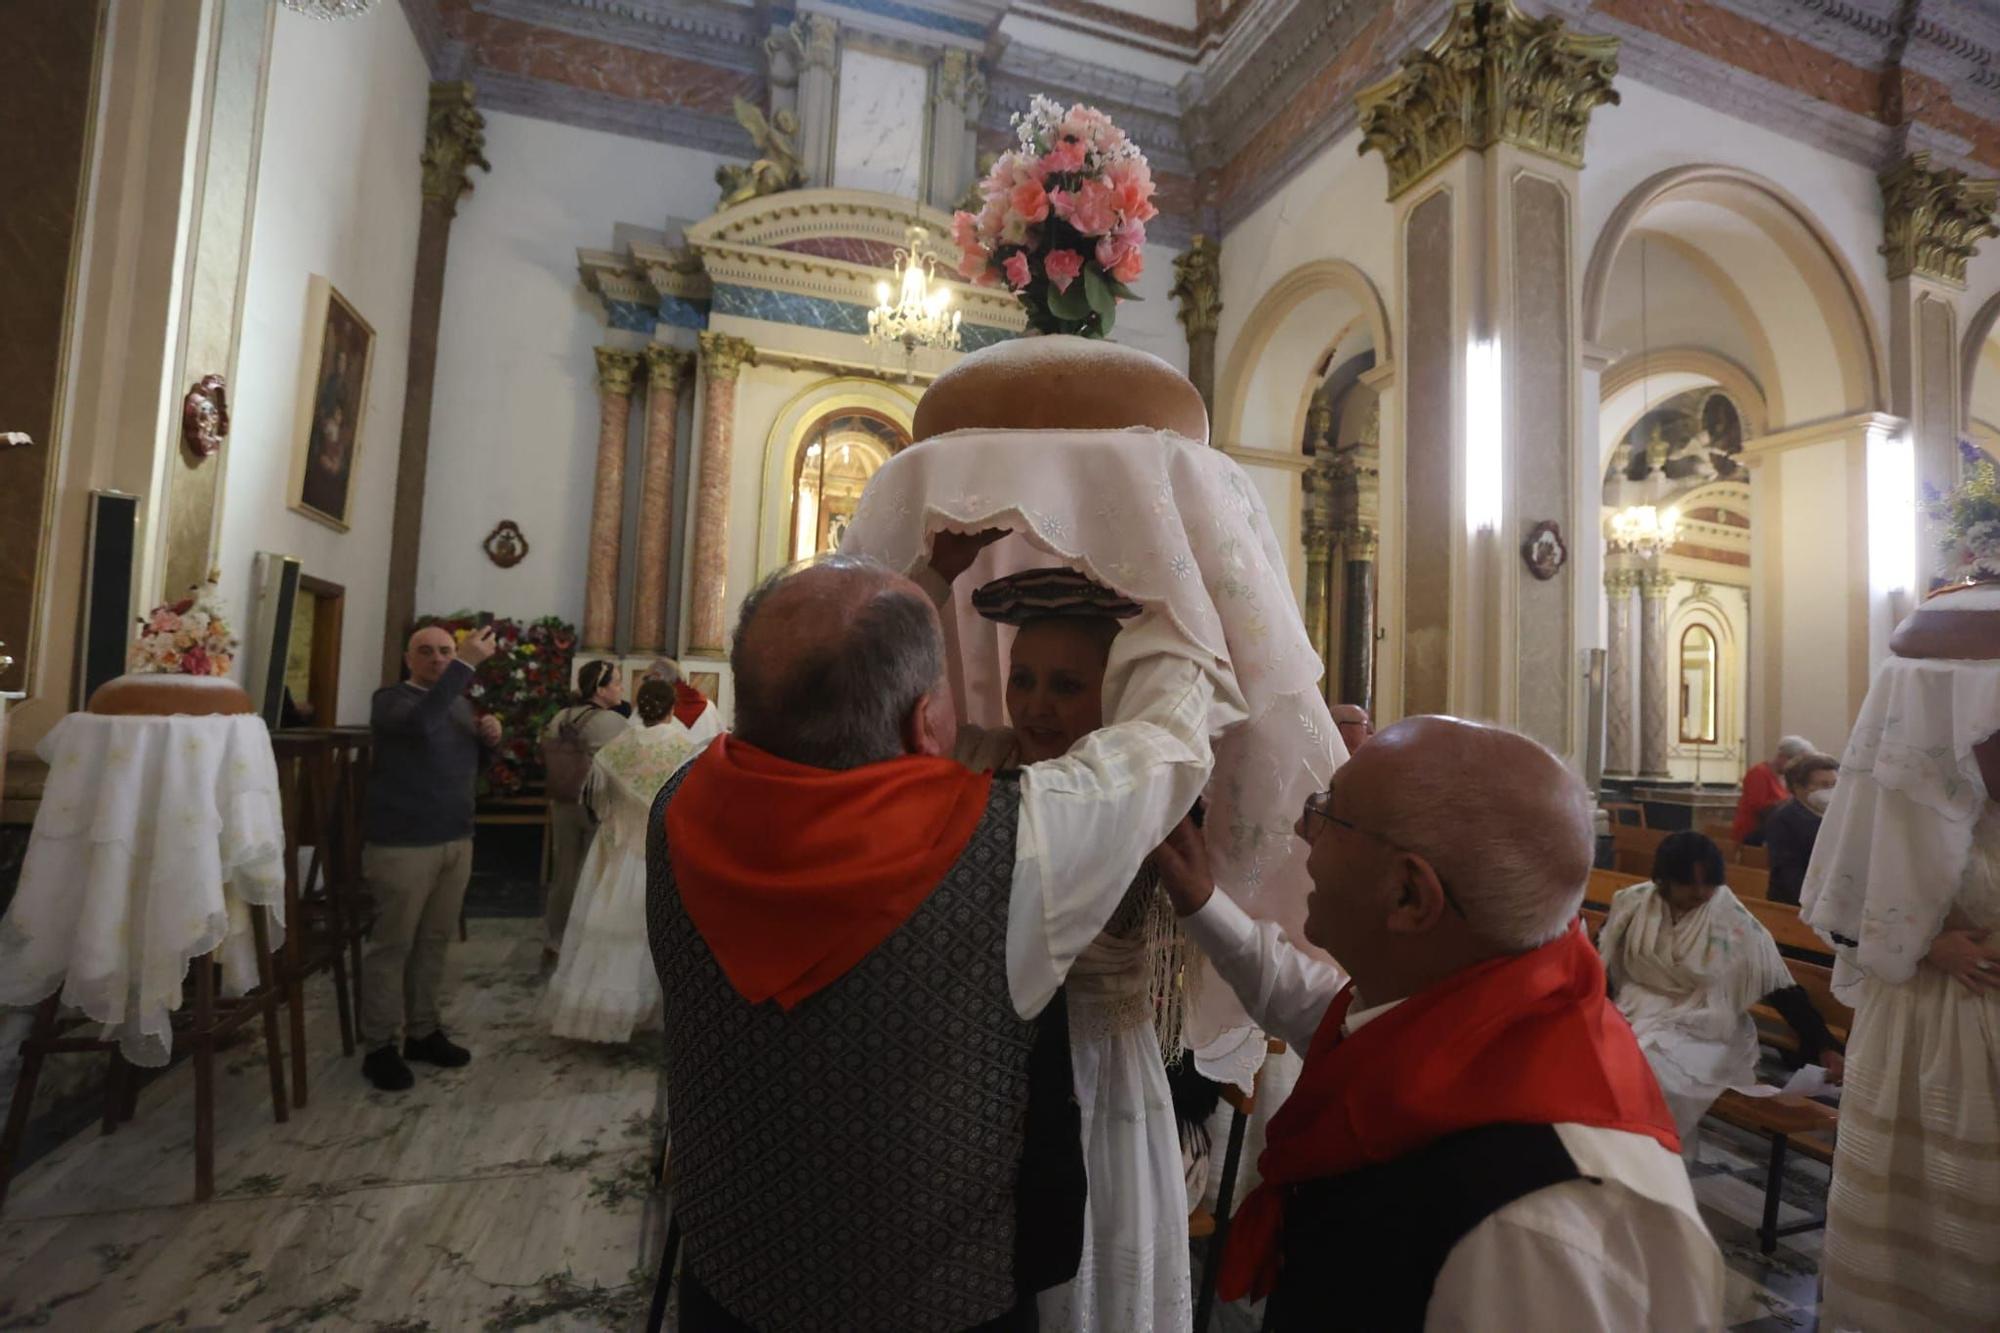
x=666 y=365
x=615 y=369
x=723 y=356
x=1493 y=76
x=1359 y=544
x=816 y=34
x=1655 y=584
x=1198 y=285
x=454 y=143
x=777 y=167
x=1933 y=218
x=959 y=82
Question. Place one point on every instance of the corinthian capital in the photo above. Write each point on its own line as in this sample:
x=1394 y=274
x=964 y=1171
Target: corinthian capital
x=454 y=143
x=1933 y=218
x=666 y=365
x=959 y=81
x=816 y=34
x=723 y=356
x=615 y=369
x=1198 y=285
x=1494 y=75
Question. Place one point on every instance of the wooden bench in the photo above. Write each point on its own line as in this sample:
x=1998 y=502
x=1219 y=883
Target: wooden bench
x=1604 y=885
x=1757 y=858
x=1790 y=1124
x=1794 y=937
x=1625 y=813
x=1750 y=882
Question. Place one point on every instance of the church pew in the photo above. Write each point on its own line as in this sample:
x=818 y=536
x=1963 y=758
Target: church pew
x=1756 y=857
x=1604 y=884
x=1624 y=813
x=1594 y=918
x=1749 y=882
x=1791 y=932
x=1626 y=837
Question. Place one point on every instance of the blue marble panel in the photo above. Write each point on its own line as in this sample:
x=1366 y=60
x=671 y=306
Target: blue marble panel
x=895 y=9
x=818 y=312
x=682 y=313
x=631 y=315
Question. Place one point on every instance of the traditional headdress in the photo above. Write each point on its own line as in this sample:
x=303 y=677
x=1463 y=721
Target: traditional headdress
x=1050 y=594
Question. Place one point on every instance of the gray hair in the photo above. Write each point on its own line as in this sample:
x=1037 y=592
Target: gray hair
x=1791 y=747
x=665 y=670
x=841 y=701
x=1516 y=853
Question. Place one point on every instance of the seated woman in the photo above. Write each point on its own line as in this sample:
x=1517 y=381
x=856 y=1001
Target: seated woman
x=1122 y=1010
x=1686 y=963
x=1791 y=830
x=604 y=985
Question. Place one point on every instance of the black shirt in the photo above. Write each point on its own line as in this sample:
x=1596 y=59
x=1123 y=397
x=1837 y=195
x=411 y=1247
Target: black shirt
x=427 y=760
x=1789 y=833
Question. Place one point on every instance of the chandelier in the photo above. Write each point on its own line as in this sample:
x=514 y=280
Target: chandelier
x=1644 y=530
x=330 y=9
x=919 y=316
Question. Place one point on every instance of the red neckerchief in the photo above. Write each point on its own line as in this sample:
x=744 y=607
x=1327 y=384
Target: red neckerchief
x=793 y=874
x=1527 y=1039
x=689 y=703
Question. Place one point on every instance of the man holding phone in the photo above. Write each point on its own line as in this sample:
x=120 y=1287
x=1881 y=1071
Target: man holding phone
x=429 y=750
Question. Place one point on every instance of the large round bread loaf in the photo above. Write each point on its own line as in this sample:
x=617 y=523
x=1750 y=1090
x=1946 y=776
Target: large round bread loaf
x=1061 y=382
x=158 y=695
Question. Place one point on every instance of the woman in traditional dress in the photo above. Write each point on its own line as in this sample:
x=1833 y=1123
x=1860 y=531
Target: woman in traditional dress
x=692 y=708
x=569 y=739
x=1905 y=882
x=604 y=985
x=1123 y=997
x=1686 y=962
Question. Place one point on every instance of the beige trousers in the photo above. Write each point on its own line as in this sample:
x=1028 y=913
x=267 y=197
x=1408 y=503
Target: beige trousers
x=570 y=835
x=418 y=893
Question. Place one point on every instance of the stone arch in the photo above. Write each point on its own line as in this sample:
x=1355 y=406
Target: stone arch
x=787 y=439
x=1758 y=210
x=1335 y=277
x=1978 y=329
x=1638 y=384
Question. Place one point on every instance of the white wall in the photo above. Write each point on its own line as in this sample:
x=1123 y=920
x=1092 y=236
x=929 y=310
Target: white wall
x=514 y=420
x=1815 y=632
x=338 y=195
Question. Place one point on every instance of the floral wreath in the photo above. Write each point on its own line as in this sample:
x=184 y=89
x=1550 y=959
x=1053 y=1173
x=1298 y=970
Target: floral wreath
x=1968 y=518
x=185 y=638
x=1064 y=222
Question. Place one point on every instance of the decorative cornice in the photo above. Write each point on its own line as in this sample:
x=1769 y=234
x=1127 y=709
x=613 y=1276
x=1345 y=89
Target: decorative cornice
x=1197 y=288
x=615 y=369
x=665 y=366
x=1933 y=218
x=454 y=140
x=724 y=355
x=1494 y=75
x=1655 y=584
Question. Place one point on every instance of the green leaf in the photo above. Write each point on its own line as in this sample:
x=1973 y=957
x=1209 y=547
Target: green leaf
x=1097 y=291
x=1123 y=292
x=1106 y=318
x=1072 y=304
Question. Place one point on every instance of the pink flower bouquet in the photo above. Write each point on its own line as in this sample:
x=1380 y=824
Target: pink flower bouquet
x=1064 y=225
x=185 y=638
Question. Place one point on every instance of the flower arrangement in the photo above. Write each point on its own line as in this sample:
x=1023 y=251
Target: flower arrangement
x=524 y=684
x=185 y=638
x=1969 y=518
x=1063 y=224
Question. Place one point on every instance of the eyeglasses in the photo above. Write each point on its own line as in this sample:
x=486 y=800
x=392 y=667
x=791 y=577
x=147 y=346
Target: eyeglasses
x=1320 y=806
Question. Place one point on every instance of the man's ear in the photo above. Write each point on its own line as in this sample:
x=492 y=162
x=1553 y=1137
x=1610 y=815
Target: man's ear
x=1420 y=902
x=928 y=730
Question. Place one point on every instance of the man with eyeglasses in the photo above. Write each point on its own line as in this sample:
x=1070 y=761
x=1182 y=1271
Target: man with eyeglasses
x=1475 y=1139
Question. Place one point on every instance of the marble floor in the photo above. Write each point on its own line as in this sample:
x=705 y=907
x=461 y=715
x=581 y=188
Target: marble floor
x=367 y=1210
x=403 y=1212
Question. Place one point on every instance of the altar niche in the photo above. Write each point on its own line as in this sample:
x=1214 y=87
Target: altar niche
x=843 y=449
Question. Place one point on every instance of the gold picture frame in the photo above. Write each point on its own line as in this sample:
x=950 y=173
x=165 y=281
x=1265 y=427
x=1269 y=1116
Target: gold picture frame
x=337 y=361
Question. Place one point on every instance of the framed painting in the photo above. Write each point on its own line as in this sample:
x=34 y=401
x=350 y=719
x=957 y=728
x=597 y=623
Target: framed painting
x=339 y=352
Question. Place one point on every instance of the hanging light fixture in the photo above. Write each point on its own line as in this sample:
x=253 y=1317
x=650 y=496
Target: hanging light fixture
x=920 y=313
x=330 y=9
x=1646 y=530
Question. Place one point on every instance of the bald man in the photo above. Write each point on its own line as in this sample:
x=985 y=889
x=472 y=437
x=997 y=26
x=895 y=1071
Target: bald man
x=1475 y=1140
x=858 y=942
x=1351 y=720
x=417 y=859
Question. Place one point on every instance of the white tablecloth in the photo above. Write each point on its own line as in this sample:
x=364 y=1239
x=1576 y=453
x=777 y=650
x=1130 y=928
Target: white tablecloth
x=155 y=836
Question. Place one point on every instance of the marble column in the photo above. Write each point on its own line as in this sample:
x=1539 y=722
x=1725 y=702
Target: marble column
x=1357 y=628
x=1932 y=221
x=819 y=69
x=1619 y=585
x=615 y=370
x=1318 y=540
x=1656 y=675
x=1197 y=291
x=664 y=368
x=958 y=91
x=454 y=143
x=722 y=358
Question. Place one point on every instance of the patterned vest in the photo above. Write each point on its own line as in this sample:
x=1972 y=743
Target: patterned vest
x=853 y=1164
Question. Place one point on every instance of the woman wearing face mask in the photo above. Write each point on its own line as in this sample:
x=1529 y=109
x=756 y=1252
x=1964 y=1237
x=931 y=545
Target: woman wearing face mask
x=1792 y=828
x=1122 y=992
x=1686 y=963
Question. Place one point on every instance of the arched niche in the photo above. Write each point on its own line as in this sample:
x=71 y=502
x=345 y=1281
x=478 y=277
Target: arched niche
x=1979 y=377
x=1274 y=363
x=792 y=433
x=1768 y=272
x=1639 y=384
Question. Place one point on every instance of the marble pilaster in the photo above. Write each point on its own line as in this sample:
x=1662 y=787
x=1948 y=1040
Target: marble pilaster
x=454 y=143
x=1357 y=616
x=665 y=366
x=722 y=359
x=958 y=91
x=1656 y=675
x=1197 y=292
x=1619 y=756
x=615 y=370
x=817 y=38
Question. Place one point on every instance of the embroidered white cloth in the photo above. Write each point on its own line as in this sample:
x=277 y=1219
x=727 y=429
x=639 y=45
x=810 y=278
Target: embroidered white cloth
x=1177 y=527
x=1895 y=843
x=155 y=837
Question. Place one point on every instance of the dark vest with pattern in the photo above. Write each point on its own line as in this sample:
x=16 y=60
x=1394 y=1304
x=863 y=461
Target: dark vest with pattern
x=857 y=1163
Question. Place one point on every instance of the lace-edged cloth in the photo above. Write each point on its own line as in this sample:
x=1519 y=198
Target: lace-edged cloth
x=155 y=837
x=1178 y=528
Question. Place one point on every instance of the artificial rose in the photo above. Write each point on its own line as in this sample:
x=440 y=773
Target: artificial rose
x=194 y=662
x=965 y=231
x=1018 y=276
x=1029 y=201
x=1066 y=156
x=1062 y=266
x=1092 y=208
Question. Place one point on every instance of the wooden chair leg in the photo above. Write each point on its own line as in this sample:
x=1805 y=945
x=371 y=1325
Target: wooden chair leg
x=24 y=1088
x=267 y=990
x=116 y=1091
x=204 y=1079
x=295 y=1003
x=1767 y=1234
x=338 y=964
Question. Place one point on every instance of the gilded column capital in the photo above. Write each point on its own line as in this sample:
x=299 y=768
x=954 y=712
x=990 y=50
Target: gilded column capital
x=1621 y=582
x=1318 y=536
x=1360 y=543
x=1655 y=583
x=1933 y=218
x=454 y=143
x=1198 y=285
x=817 y=40
x=723 y=355
x=615 y=369
x=959 y=82
x=666 y=365
x=1493 y=76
